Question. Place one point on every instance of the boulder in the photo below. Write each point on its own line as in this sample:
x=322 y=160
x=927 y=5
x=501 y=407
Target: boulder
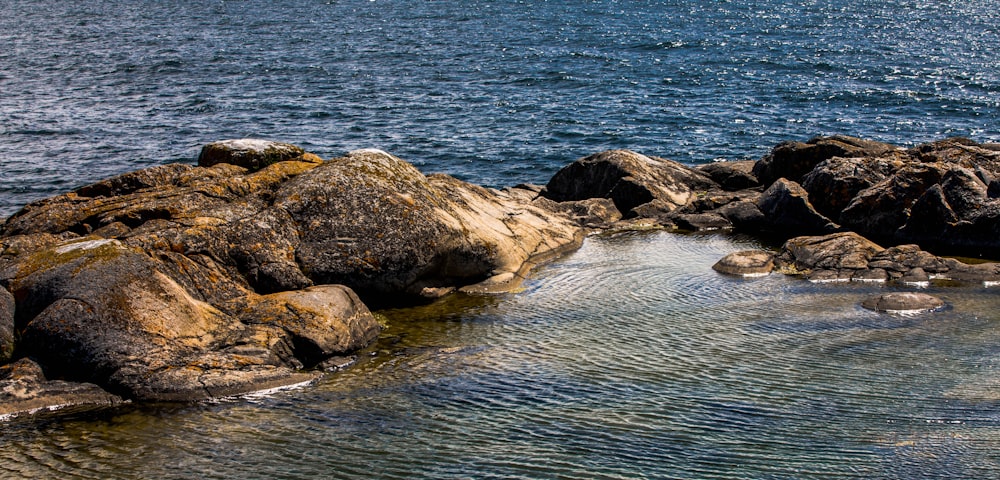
x=836 y=181
x=747 y=263
x=792 y=160
x=732 y=176
x=903 y=302
x=881 y=210
x=629 y=179
x=786 y=210
x=250 y=153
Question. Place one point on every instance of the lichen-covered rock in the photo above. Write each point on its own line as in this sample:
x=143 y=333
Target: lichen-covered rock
x=249 y=153
x=839 y=251
x=186 y=283
x=629 y=179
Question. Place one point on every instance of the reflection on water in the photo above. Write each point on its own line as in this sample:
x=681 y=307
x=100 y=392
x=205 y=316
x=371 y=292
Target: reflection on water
x=630 y=358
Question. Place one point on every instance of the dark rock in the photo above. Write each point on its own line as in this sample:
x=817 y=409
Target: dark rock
x=746 y=263
x=629 y=179
x=877 y=275
x=24 y=390
x=915 y=275
x=880 y=210
x=792 y=160
x=903 y=302
x=732 y=176
x=6 y=325
x=836 y=181
x=590 y=213
x=697 y=222
x=249 y=153
x=786 y=209
x=744 y=215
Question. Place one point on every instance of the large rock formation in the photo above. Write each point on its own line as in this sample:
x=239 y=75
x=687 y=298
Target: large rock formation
x=184 y=283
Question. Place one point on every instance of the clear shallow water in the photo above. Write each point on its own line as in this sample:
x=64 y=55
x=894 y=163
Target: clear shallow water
x=496 y=93
x=630 y=358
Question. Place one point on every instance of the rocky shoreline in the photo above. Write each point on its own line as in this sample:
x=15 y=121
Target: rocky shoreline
x=256 y=268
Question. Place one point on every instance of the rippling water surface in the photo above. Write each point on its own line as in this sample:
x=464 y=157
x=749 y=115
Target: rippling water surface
x=495 y=92
x=630 y=358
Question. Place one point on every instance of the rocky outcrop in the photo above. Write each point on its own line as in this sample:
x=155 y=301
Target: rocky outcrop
x=748 y=263
x=251 y=154
x=793 y=160
x=630 y=180
x=185 y=283
x=24 y=389
x=786 y=208
x=848 y=256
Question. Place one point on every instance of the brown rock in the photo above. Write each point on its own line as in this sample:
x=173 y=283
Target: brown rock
x=903 y=302
x=746 y=263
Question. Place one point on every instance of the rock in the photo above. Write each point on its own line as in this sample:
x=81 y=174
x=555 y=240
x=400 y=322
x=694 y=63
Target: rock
x=792 y=160
x=697 y=222
x=836 y=252
x=903 y=302
x=836 y=181
x=187 y=283
x=25 y=390
x=746 y=263
x=732 y=176
x=629 y=179
x=786 y=210
x=744 y=215
x=249 y=153
x=6 y=325
x=375 y=223
x=915 y=275
x=880 y=210
x=596 y=213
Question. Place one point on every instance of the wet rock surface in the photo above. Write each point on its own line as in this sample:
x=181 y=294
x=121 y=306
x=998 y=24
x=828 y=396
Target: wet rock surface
x=903 y=302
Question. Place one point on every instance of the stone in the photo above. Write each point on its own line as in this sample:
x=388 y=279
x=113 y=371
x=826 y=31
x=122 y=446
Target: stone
x=786 y=210
x=732 y=176
x=747 y=263
x=249 y=153
x=629 y=179
x=697 y=222
x=839 y=251
x=903 y=302
x=7 y=335
x=793 y=160
x=24 y=390
x=834 y=182
x=881 y=210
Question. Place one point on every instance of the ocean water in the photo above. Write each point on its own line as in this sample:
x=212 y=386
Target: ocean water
x=629 y=358
x=494 y=92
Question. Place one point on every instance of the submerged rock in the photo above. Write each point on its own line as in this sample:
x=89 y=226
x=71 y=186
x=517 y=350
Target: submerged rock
x=903 y=302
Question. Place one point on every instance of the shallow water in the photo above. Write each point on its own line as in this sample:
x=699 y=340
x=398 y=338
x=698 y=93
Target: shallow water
x=630 y=358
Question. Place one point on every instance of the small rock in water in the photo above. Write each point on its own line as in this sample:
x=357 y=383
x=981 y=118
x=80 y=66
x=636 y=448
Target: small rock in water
x=903 y=302
x=747 y=263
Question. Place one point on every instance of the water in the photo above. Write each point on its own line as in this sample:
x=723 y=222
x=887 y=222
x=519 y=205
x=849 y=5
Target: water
x=628 y=359
x=496 y=93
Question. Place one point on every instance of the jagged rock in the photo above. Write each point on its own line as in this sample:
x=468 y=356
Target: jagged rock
x=746 y=263
x=249 y=153
x=786 y=209
x=596 y=213
x=792 y=160
x=903 y=302
x=836 y=181
x=880 y=210
x=629 y=179
x=25 y=390
x=732 y=176
x=744 y=215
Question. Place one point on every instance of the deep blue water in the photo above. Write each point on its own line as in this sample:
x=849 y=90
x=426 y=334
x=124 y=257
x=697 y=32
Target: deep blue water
x=496 y=93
